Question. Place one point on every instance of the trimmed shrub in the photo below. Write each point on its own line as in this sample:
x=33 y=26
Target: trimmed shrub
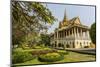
x=19 y=57
x=50 y=57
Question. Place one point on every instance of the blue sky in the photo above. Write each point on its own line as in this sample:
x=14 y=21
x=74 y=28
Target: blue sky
x=85 y=13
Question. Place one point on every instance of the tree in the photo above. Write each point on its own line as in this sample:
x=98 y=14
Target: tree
x=45 y=39
x=28 y=17
x=93 y=33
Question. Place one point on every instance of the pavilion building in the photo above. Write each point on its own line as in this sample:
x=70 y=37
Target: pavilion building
x=71 y=34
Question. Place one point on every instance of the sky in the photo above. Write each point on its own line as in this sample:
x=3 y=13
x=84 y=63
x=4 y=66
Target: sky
x=85 y=13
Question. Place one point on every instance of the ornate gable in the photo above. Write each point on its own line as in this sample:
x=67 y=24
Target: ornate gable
x=75 y=20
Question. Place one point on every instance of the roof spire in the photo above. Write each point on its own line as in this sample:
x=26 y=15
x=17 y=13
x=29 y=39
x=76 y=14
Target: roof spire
x=65 y=17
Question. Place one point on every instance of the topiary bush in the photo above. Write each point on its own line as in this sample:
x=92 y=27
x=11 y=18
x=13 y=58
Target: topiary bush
x=19 y=57
x=50 y=57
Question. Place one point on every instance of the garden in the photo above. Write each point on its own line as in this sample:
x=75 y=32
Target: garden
x=45 y=55
x=30 y=41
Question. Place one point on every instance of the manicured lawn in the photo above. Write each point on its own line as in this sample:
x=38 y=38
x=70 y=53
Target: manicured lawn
x=76 y=57
x=70 y=57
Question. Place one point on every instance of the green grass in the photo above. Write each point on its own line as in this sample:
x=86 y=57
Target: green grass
x=76 y=57
x=70 y=57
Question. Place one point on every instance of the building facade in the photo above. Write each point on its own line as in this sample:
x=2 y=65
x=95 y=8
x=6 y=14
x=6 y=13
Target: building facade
x=71 y=34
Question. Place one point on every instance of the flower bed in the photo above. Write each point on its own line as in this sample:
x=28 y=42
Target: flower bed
x=50 y=57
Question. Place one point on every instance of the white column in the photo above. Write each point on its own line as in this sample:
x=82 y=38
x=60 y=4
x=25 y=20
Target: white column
x=85 y=34
x=60 y=34
x=88 y=34
x=74 y=31
x=54 y=36
x=81 y=33
x=64 y=34
x=57 y=34
x=57 y=39
x=68 y=33
x=77 y=34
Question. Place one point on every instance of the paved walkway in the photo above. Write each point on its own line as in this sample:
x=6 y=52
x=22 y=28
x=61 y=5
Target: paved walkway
x=84 y=50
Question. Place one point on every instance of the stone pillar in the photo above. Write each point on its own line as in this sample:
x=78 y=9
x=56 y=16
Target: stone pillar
x=81 y=33
x=65 y=34
x=57 y=34
x=74 y=32
x=60 y=34
x=54 y=39
x=87 y=32
x=57 y=39
x=54 y=36
x=77 y=32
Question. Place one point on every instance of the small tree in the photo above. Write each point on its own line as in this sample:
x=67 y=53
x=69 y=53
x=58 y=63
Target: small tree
x=93 y=33
x=45 y=39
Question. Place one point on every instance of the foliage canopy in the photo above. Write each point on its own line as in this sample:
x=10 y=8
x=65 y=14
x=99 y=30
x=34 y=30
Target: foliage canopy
x=29 y=18
x=93 y=33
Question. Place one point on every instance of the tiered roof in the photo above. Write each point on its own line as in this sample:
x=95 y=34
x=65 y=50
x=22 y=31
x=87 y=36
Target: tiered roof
x=66 y=23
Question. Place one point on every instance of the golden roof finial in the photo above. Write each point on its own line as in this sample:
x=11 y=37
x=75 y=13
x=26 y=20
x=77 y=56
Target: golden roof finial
x=65 y=17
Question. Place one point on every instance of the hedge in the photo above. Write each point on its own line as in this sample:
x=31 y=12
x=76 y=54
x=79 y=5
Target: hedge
x=50 y=57
x=19 y=57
